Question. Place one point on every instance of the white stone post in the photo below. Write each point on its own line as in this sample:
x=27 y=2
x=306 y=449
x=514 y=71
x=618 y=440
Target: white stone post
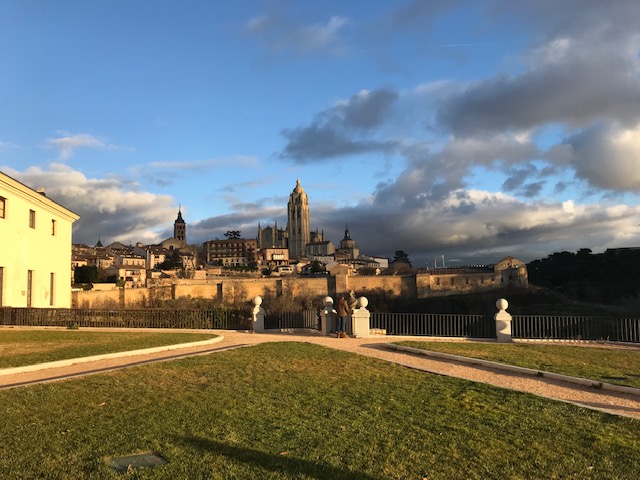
x=327 y=316
x=257 y=315
x=503 y=321
x=360 y=319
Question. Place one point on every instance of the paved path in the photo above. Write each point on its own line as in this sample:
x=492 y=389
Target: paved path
x=589 y=397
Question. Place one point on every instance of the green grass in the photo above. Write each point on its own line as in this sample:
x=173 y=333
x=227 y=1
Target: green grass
x=611 y=365
x=28 y=347
x=294 y=410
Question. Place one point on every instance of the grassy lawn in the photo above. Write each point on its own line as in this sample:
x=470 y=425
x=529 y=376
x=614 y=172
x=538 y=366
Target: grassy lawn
x=28 y=347
x=611 y=365
x=294 y=410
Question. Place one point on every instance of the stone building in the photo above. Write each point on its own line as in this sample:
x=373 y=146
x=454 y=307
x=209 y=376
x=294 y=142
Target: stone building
x=272 y=237
x=237 y=252
x=298 y=232
x=348 y=246
x=298 y=221
x=180 y=230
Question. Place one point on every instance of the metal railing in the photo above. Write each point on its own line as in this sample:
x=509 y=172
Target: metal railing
x=226 y=319
x=434 y=324
x=283 y=320
x=576 y=328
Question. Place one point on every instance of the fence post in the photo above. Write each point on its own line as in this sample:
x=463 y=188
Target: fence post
x=360 y=319
x=503 y=322
x=326 y=316
x=257 y=315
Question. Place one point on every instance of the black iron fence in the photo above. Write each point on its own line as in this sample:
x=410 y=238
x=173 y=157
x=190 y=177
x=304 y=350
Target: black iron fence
x=434 y=324
x=224 y=318
x=284 y=320
x=576 y=328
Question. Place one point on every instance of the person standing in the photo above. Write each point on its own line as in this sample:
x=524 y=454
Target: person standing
x=343 y=312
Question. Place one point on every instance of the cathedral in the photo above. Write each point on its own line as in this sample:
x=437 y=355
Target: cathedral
x=298 y=232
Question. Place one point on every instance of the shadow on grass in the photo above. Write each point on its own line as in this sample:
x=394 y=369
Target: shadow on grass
x=274 y=462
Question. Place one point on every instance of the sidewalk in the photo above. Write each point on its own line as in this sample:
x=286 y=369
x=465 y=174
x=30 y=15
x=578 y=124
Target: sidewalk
x=617 y=403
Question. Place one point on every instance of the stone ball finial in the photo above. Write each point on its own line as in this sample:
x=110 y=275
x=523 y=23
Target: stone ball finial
x=363 y=302
x=327 y=301
x=257 y=300
x=502 y=304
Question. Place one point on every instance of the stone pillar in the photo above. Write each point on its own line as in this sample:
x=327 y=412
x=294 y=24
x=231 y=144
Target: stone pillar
x=360 y=319
x=257 y=315
x=327 y=316
x=503 y=322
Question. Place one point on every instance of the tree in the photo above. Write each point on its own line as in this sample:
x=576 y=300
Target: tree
x=171 y=263
x=85 y=274
x=232 y=234
x=401 y=257
x=317 y=266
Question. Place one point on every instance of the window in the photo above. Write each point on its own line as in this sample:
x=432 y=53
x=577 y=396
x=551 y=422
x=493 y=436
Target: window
x=52 y=286
x=3 y=207
x=29 y=287
x=53 y=227
x=32 y=219
x=1 y=284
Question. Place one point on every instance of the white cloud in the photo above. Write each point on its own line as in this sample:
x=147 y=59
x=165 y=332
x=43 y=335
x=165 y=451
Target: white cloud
x=67 y=143
x=109 y=208
x=236 y=160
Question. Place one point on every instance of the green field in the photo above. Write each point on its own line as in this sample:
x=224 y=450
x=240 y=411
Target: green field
x=610 y=365
x=294 y=410
x=27 y=347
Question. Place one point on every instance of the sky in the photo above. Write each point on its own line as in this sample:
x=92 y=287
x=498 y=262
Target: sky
x=463 y=130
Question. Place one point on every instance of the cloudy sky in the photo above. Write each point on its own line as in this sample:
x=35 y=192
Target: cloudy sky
x=468 y=129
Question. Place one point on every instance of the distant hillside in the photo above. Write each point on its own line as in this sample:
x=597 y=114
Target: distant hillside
x=530 y=301
x=610 y=278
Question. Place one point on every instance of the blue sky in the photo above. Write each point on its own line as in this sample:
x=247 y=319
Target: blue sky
x=467 y=129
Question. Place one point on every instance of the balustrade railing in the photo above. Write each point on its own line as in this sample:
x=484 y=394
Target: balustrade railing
x=576 y=328
x=434 y=324
x=285 y=320
x=226 y=319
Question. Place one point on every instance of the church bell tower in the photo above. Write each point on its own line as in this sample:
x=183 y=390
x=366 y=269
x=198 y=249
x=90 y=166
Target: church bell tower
x=180 y=230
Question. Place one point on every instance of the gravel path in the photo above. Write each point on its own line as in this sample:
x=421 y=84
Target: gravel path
x=589 y=397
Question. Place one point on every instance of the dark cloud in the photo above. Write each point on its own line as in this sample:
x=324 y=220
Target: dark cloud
x=367 y=109
x=322 y=142
x=585 y=67
x=342 y=130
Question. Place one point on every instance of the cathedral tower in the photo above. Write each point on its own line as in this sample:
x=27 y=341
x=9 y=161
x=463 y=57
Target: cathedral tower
x=298 y=223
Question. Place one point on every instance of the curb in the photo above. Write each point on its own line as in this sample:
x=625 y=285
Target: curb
x=522 y=370
x=106 y=356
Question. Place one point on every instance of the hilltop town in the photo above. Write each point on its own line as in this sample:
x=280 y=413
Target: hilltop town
x=296 y=252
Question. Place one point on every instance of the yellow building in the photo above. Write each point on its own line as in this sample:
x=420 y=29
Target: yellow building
x=35 y=248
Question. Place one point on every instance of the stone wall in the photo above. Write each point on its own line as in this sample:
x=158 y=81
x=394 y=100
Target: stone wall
x=238 y=290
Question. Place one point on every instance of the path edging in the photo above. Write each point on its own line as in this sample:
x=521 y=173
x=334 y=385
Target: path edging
x=523 y=370
x=106 y=356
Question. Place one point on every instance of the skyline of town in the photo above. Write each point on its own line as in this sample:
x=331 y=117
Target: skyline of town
x=468 y=130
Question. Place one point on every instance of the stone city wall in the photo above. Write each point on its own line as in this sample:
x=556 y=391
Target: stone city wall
x=237 y=290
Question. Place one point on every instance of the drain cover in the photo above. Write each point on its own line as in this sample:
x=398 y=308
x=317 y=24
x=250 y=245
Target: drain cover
x=134 y=462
